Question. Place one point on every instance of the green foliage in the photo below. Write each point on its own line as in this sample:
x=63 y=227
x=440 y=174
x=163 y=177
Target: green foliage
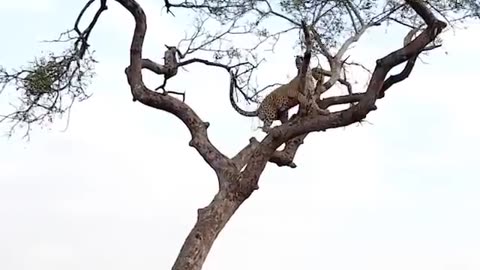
x=42 y=76
x=48 y=86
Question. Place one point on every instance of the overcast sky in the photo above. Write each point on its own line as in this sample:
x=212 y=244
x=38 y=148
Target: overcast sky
x=115 y=192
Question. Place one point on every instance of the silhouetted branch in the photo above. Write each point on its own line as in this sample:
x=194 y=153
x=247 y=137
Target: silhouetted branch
x=83 y=36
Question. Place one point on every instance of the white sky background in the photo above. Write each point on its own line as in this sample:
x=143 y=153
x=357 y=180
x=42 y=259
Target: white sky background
x=112 y=191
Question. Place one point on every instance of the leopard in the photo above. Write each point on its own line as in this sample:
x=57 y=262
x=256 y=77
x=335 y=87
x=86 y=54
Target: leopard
x=276 y=104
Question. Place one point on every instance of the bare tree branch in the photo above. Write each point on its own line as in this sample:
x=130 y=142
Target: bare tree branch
x=355 y=11
x=337 y=100
x=84 y=35
x=271 y=11
x=337 y=60
x=323 y=48
x=197 y=127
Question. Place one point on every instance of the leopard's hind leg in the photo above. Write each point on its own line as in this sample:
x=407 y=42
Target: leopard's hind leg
x=283 y=116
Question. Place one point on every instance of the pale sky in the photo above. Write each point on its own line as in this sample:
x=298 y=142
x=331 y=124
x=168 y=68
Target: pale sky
x=113 y=191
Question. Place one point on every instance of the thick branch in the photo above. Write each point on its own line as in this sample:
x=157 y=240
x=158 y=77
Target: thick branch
x=406 y=70
x=153 y=66
x=282 y=158
x=337 y=100
x=356 y=97
x=422 y=10
x=210 y=222
x=197 y=127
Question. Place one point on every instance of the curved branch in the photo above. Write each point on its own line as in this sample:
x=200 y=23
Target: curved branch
x=198 y=128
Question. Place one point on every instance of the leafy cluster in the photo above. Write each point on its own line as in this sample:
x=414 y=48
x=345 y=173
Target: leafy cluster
x=47 y=87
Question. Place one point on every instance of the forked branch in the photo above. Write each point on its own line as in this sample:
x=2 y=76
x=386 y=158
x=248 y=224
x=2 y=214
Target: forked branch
x=198 y=128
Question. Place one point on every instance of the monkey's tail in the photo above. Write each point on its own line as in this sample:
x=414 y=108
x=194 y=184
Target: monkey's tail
x=234 y=104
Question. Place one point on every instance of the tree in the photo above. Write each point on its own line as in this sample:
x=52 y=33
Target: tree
x=322 y=24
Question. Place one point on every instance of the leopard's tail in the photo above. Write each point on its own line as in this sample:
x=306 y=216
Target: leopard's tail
x=234 y=104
